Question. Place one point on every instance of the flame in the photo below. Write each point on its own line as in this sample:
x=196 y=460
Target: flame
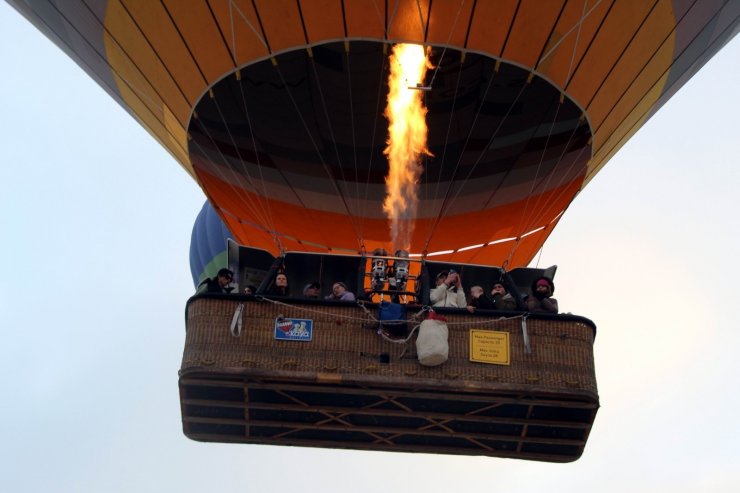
x=407 y=140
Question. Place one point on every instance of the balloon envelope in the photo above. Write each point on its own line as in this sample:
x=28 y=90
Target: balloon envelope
x=275 y=107
x=208 y=245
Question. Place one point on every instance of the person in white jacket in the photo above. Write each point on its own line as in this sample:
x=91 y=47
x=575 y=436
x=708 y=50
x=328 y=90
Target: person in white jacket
x=449 y=291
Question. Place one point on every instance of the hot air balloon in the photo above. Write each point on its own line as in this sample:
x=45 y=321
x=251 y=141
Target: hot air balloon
x=208 y=245
x=276 y=109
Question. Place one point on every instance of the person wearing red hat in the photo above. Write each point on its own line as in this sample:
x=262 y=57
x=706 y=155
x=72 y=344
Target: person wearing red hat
x=541 y=299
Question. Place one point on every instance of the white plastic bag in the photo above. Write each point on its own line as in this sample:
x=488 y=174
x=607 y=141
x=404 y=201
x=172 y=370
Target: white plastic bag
x=432 y=347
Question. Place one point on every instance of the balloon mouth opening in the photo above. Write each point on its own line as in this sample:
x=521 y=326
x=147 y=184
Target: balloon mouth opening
x=307 y=133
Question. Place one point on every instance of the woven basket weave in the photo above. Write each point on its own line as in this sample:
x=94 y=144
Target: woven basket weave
x=346 y=344
x=348 y=387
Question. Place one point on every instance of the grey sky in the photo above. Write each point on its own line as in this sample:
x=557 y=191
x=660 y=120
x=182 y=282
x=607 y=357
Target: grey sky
x=96 y=220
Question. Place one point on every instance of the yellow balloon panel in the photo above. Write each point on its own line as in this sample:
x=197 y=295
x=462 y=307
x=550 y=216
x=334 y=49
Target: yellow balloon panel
x=163 y=40
x=241 y=29
x=530 y=30
x=323 y=20
x=365 y=19
x=489 y=26
x=570 y=40
x=282 y=24
x=202 y=38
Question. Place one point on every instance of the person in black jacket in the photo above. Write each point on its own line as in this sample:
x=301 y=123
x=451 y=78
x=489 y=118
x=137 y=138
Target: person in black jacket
x=218 y=285
x=502 y=299
x=479 y=300
x=280 y=287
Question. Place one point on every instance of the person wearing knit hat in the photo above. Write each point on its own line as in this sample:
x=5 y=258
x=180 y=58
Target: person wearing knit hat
x=340 y=292
x=312 y=290
x=541 y=299
x=502 y=299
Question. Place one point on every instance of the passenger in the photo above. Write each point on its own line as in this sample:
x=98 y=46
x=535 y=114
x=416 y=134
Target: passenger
x=250 y=289
x=218 y=285
x=339 y=292
x=280 y=286
x=449 y=291
x=312 y=290
x=478 y=299
x=502 y=300
x=541 y=299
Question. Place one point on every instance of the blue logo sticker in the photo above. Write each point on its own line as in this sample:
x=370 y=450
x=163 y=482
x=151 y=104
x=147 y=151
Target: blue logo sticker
x=293 y=329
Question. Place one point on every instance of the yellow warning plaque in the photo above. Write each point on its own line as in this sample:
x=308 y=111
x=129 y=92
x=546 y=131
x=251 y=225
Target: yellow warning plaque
x=487 y=346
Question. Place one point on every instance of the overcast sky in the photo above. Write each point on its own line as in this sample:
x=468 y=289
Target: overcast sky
x=96 y=220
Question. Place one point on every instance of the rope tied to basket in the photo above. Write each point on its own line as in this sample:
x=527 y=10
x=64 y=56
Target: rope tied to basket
x=237 y=320
x=308 y=310
x=525 y=335
x=394 y=329
x=369 y=316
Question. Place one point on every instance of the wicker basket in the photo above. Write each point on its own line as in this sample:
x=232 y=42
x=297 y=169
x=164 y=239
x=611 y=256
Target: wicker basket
x=348 y=387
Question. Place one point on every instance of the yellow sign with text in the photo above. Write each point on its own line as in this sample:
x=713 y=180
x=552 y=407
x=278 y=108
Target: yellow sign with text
x=487 y=346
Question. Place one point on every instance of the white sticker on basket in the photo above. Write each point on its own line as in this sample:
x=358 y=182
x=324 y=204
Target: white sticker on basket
x=293 y=329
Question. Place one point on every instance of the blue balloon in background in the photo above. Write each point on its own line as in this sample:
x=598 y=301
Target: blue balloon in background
x=208 y=244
